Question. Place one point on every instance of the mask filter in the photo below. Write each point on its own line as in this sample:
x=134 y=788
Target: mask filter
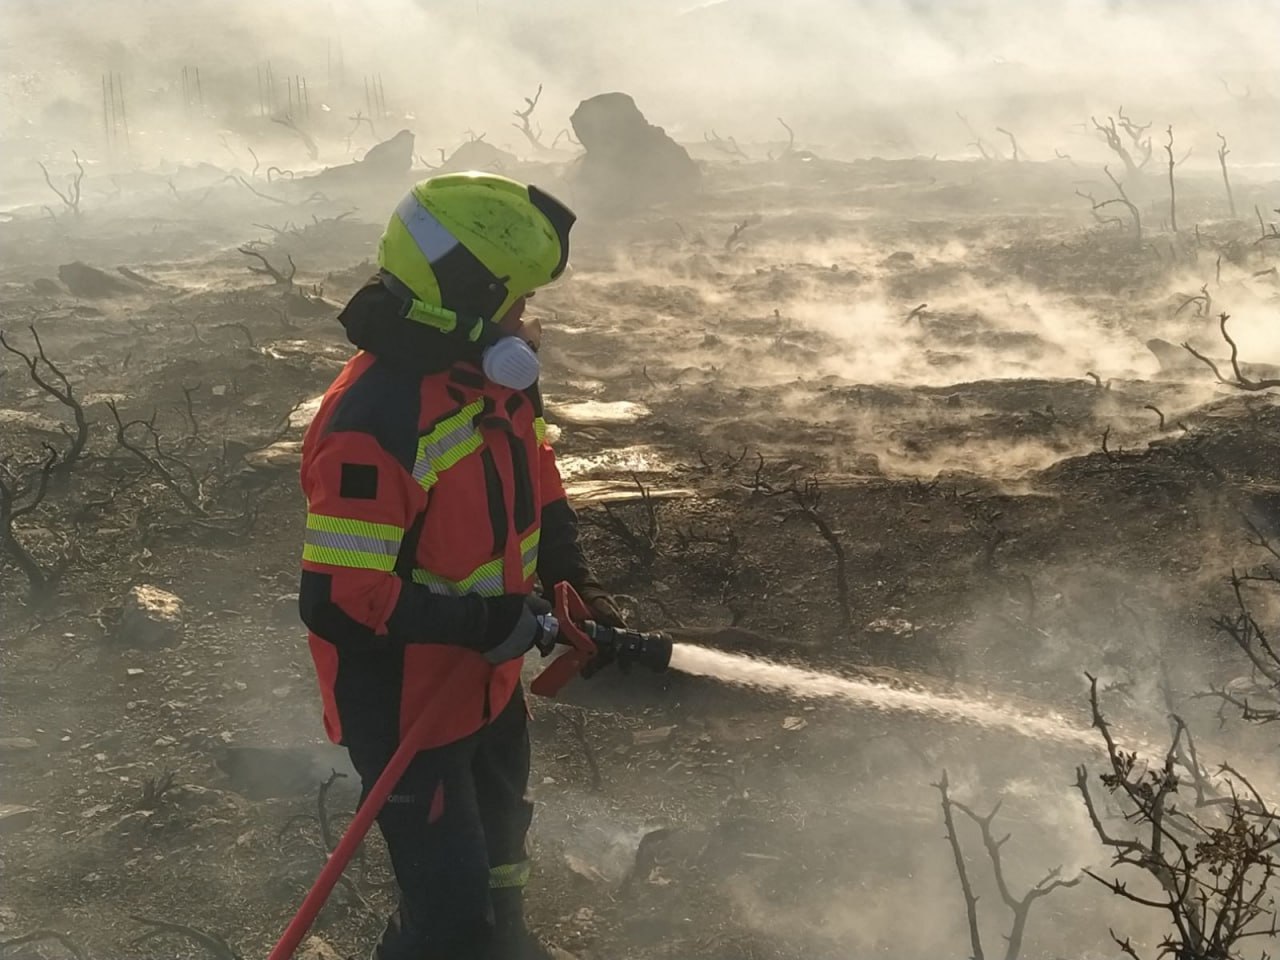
x=511 y=362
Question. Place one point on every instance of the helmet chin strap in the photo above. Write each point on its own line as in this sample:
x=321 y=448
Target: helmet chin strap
x=449 y=321
x=506 y=360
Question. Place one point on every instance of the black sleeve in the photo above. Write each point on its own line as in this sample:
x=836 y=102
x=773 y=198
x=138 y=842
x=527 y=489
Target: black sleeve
x=559 y=555
x=420 y=616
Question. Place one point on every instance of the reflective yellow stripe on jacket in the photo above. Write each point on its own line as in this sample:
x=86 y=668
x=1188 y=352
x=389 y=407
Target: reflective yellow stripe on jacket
x=344 y=542
x=448 y=441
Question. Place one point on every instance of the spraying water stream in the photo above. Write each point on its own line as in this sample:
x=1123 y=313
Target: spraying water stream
x=805 y=684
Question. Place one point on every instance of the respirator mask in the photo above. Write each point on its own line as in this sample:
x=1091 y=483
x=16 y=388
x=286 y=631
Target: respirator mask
x=510 y=362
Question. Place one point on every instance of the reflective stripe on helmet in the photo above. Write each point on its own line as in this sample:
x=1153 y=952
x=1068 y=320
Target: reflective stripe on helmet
x=431 y=236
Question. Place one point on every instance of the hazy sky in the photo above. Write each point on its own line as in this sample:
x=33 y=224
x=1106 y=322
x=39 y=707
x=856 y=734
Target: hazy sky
x=735 y=64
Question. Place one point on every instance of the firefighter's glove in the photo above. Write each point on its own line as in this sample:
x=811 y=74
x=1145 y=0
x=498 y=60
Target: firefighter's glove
x=602 y=606
x=517 y=624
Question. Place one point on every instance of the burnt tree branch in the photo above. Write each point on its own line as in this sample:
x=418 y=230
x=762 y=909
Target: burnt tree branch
x=1240 y=381
x=19 y=496
x=533 y=136
x=60 y=391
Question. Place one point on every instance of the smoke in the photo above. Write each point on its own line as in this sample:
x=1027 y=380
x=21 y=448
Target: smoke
x=857 y=78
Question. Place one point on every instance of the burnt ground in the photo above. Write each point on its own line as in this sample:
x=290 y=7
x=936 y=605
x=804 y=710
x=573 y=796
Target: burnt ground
x=1020 y=491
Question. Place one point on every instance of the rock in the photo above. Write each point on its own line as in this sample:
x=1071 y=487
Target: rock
x=45 y=287
x=314 y=948
x=151 y=617
x=478 y=155
x=584 y=869
x=386 y=161
x=12 y=745
x=648 y=738
x=282 y=455
x=86 y=281
x=629 y=161
x=12 y=420
x=390 y=157
x=794 y=723
x=15 y=817
x=890 y=628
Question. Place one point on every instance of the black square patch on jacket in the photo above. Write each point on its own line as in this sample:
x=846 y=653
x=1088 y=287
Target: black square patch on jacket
x=359 y=481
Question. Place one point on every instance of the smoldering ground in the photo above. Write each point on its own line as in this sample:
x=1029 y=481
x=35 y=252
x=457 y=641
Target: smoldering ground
x=901 y=417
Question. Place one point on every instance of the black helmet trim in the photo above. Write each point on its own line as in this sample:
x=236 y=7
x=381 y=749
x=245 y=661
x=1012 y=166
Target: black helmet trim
x=561 y=219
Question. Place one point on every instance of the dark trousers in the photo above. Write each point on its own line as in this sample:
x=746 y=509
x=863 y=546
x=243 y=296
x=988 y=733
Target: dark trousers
x=455 y=827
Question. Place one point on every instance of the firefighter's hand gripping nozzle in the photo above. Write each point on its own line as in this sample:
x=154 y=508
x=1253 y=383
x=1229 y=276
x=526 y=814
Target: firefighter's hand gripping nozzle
x=594 y=645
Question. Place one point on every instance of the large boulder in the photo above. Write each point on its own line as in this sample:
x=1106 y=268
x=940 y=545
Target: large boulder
x=628 y=161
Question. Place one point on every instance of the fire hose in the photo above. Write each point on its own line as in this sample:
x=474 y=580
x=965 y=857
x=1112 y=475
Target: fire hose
x=588 y=642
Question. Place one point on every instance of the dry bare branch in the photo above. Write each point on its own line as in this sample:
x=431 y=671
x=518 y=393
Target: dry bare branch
x=1240 y=382
x=728 y=147
x=977 y=139
x=970 y=898
x=313 y=151
x=1173 y=201
x=533 y=136
x=267 y=270
x=1214 y=864
x=70 y=199
x=568 y=138
x=642 y=542
x=735 y=237
x=1013 y=143
x=61 y=391
x=19 y=496
x=1112 y=138
x=1226 y=180
x=1019 y=907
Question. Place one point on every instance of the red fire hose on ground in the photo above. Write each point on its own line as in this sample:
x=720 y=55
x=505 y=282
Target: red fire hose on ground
x=586 y=640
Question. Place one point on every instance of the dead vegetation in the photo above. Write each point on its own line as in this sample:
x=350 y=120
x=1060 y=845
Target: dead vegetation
x=1020 y=907
x=277 y=276
x=1226 y=178
x=728 y=147
x=534 y=136
x=1211 y=856
x=1134 y=214
x=1139 y=141
x=70 y=197
x=1238 y=378
x=640 y=539
x=1257 y=695
x=23 y=488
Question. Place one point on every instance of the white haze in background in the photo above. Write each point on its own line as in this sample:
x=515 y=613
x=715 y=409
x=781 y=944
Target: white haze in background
x=859 y=77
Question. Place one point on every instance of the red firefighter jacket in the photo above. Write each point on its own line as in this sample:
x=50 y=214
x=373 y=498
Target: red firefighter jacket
x=426 y=492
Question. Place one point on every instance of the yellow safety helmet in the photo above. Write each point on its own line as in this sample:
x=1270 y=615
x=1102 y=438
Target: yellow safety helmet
x=465 y=246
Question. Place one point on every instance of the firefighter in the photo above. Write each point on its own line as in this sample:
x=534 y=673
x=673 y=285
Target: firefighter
x=433 y=505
